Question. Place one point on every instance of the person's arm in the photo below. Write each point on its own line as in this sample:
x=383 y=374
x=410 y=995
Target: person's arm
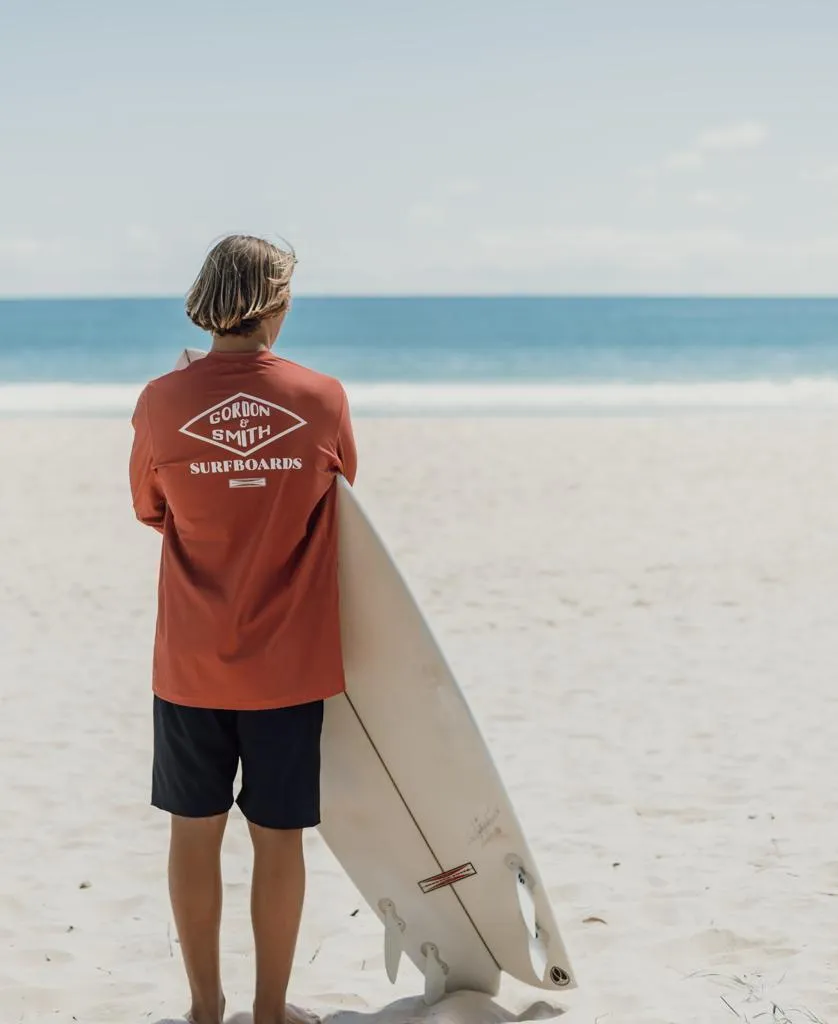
x=149 y=502
x=347 y=453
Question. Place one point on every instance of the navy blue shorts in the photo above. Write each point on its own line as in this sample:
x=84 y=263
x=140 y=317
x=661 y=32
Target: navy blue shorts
x=197 y=753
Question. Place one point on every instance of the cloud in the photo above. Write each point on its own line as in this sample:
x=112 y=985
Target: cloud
x=601 y=245
x=707 y=199
x=141 y=239
x=684 y=160
x=21 y=248
x=746 y=135
x=718 y=260
x=730 y=138
x=461 y=187
x=826 y=175
x=427 y=215
x=124 y=260
x=435 y=210
x=20 y=255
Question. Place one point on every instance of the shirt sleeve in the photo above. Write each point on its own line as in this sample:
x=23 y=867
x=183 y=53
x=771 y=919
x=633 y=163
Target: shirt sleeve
x=347 y=453
x=149 y=501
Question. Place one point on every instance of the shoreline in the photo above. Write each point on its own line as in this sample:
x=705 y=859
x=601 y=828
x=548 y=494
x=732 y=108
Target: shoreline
x=479 y=399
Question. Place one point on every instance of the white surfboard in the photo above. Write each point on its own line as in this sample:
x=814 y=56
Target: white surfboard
x=412 y=804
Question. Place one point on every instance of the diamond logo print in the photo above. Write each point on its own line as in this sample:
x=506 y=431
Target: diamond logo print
x=243 y=424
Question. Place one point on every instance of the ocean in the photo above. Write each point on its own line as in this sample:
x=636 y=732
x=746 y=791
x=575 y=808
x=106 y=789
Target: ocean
x=450 y=355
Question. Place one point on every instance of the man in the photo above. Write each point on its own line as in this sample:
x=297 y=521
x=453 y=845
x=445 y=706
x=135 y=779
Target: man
x=234 y=462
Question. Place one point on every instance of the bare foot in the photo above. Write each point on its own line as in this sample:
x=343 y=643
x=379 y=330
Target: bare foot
x=193 y=1018
x=294 y=1015
x=187 y=1018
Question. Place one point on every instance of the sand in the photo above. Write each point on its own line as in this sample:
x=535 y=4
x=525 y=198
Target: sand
x=642 y=613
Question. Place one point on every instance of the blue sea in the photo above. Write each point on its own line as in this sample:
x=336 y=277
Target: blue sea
x=486 y=355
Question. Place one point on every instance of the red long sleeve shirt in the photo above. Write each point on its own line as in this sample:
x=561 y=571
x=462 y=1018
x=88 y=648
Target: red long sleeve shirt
x=234 y=461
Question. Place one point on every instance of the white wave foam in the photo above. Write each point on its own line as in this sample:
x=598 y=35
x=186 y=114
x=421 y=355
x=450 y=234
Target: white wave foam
x=484 y=399
x=76 y=399
x=567 y=397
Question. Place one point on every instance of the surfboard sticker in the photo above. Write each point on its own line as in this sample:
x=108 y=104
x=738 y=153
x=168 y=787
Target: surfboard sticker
x=447 y=878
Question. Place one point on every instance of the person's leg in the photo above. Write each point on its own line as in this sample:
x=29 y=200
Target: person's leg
x=195 y=761
x=280 y=752
x=195 y=891
x=276 y=908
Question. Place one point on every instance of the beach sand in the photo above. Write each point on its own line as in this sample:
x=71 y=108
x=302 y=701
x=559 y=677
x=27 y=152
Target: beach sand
x=642 y=613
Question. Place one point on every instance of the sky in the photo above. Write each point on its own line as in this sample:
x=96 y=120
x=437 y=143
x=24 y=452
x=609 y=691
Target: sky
x=465 y=147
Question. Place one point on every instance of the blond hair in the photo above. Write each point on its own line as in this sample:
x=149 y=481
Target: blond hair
x=243 y=280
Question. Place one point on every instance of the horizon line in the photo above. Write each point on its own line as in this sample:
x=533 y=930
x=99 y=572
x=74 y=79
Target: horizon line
x=441 y=296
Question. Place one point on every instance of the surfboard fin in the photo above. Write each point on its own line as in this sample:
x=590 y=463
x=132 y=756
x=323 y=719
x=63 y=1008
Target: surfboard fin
x=525 y=888
x=393 y=941
x=436 y=971
x=539 y=940
x=538 y=952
